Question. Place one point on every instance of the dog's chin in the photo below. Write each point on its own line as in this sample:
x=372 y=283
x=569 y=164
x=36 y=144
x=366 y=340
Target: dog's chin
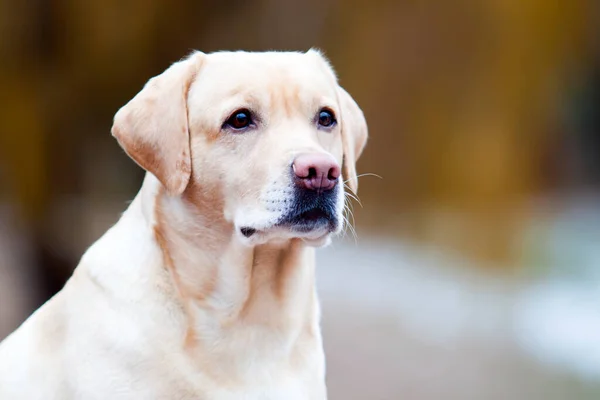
x=277 y=236
x=313 y=233
x=321 y=241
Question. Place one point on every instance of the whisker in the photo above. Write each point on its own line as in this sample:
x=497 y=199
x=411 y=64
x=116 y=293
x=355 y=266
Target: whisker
x=369 y=174
x=345 y=230
x=353 y=196
x=349 y=225
x=345 y=220
x=365 y=174
x=352 y=214
x=353 y=231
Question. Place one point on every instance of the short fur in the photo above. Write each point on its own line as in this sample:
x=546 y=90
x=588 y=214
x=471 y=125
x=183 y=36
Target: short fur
x=173 y=302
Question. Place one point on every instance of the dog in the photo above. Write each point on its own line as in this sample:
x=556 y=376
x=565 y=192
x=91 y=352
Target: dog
x=205 y=287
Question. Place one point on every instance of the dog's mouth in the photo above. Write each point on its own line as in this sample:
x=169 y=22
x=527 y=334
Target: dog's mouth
x=311 y=220
x=311 y=214
x=247 y=231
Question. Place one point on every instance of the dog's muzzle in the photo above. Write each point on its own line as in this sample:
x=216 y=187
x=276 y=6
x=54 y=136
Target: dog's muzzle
x=312 y=210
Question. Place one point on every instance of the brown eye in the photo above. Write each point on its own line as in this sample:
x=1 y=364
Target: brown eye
x=326 y=118
x=239 y=120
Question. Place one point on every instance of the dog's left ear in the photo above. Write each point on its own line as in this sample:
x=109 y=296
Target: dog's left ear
x=354 y=136
x=153 y=127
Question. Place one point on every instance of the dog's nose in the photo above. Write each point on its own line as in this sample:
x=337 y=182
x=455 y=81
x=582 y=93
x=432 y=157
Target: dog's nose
x=318 y=171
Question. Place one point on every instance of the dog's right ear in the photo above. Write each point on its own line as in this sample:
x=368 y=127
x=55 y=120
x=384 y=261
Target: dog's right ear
x=153 y=127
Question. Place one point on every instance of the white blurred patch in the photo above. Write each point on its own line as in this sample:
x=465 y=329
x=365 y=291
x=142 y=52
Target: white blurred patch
x=559 y=323
x=437 y=304
x=430 y=297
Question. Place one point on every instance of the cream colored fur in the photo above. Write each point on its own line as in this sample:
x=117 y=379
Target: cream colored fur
x=173 y=302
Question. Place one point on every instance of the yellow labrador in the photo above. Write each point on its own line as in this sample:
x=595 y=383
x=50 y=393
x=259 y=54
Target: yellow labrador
x=205 y=288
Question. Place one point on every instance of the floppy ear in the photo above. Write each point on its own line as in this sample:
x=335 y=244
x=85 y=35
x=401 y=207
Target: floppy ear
x=153 y=127
x=354 y=136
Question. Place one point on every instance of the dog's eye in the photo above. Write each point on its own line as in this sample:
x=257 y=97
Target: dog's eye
x=326 y=118
x=240 y=119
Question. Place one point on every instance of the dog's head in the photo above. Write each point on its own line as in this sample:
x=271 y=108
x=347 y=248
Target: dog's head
x=268 y=139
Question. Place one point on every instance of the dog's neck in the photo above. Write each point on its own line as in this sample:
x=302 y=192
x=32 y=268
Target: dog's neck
x=226 y=287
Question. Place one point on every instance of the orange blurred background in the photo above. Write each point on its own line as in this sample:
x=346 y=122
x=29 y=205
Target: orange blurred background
x=484 y=119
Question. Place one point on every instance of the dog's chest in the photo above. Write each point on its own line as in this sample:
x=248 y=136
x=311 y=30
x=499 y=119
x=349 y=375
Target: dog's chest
x=259 y=381
x=288 y=392
x=186 y=385
x=153 y=380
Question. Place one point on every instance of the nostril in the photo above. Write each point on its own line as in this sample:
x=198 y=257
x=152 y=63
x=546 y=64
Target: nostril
x=312 y=172
x=334 y=173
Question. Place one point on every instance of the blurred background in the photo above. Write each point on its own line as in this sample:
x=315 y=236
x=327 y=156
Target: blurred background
x=476 y=270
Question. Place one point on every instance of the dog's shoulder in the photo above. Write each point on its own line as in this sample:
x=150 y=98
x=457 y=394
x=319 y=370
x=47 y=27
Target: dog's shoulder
x=34 y=353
